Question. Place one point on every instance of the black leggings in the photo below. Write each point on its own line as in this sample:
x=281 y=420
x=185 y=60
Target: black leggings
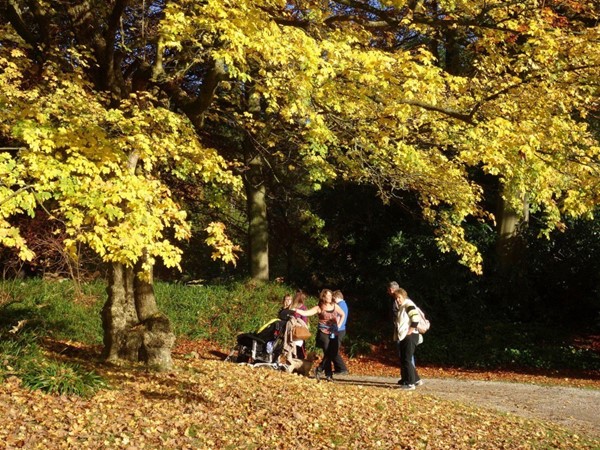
x=330 y=351
x=406 y=347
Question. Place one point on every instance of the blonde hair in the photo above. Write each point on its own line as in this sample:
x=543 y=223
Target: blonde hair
x=338 y=294
x=400 y=293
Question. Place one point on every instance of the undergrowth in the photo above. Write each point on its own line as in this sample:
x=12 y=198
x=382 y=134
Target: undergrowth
x=21 y=356
x=35 y=309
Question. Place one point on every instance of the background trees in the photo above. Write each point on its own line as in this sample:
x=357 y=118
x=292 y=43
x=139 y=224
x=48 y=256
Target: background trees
x=117 y=114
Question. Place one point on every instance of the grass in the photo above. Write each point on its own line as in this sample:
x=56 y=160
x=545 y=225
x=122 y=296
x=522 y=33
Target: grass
x=219 y=312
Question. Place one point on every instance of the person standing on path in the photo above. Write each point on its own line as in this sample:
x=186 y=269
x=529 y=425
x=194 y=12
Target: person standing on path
x=393 y=286
x=331 y=317
x=339 y=366
x=407 y=337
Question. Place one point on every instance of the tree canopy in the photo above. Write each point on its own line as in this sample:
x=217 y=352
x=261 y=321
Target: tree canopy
x=100 y=99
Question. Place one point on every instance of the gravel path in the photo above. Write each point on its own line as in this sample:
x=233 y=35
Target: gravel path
x=573 y=408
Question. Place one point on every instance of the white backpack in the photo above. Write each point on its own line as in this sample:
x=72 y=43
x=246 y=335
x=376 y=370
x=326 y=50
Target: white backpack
x=424 y=324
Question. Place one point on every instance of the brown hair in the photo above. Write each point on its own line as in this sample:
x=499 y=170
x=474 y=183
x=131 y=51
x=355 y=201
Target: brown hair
x=287 y=301
x=322 y=295
x=299 y=298
x=338 y=294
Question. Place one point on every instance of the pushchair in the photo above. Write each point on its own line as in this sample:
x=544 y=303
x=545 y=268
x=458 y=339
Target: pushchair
x=269 y=346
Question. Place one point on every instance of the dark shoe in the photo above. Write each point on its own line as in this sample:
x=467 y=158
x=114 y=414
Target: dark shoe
x=401 y=382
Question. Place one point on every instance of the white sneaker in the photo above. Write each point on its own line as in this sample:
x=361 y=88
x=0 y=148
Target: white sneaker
x=407 y=387
x=419 y=383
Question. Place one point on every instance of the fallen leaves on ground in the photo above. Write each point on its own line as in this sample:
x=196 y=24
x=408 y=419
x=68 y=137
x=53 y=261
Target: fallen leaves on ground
x=384 y=362
x=207 y=403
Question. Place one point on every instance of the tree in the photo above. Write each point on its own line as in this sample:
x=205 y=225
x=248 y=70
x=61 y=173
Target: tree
x=370 y=92
x=369 y=101
x=90 y=147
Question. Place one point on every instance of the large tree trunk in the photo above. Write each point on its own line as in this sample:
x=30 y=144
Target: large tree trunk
x=134 y=329
x=258 y=226
x=510 y=244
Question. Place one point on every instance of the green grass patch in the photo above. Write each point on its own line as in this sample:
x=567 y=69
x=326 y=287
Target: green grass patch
x=219 y=312
x=56 y=377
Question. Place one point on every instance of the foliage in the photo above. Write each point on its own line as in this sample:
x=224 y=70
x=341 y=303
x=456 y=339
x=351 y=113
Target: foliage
x=405 y=96
x=219 y=312
x=390 y=116
x=512 y=345
x=45 y=237
x=95 y=163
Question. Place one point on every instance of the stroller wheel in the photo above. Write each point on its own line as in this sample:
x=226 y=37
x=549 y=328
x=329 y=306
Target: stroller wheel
x=242 y=359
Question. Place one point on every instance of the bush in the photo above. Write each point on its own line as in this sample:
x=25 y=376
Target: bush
x=220 y=312
x=55 y=377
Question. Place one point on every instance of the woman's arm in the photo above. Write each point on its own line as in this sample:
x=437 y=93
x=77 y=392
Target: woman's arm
x=309 y=312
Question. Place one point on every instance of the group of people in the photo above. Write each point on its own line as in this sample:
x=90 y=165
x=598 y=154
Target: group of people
x=332 y=311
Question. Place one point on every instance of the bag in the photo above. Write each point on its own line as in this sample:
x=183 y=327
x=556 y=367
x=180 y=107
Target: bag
x=424 y=324
x=300 y=333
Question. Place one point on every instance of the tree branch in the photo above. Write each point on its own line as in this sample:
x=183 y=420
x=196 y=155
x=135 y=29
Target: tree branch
x=467 y=118
x=14 y=194
x=10 y=10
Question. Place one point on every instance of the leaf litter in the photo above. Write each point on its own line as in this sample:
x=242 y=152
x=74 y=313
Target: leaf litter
x=207 y=403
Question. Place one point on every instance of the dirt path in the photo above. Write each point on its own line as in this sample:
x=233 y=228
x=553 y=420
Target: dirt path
x=574 y=408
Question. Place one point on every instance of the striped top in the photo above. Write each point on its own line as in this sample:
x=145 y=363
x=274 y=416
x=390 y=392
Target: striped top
x=405 y=317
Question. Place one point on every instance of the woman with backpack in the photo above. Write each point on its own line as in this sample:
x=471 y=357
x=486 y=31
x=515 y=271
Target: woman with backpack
x=407 y=337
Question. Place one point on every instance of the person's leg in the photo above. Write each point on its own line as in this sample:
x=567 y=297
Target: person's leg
x=402 y=351
x=415 y=338
x=408 y=346
x=401 y=355
x=322 y=342
x=338 y=363
x=330 y=355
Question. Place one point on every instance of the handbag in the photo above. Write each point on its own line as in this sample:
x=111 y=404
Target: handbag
x=300 y=333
